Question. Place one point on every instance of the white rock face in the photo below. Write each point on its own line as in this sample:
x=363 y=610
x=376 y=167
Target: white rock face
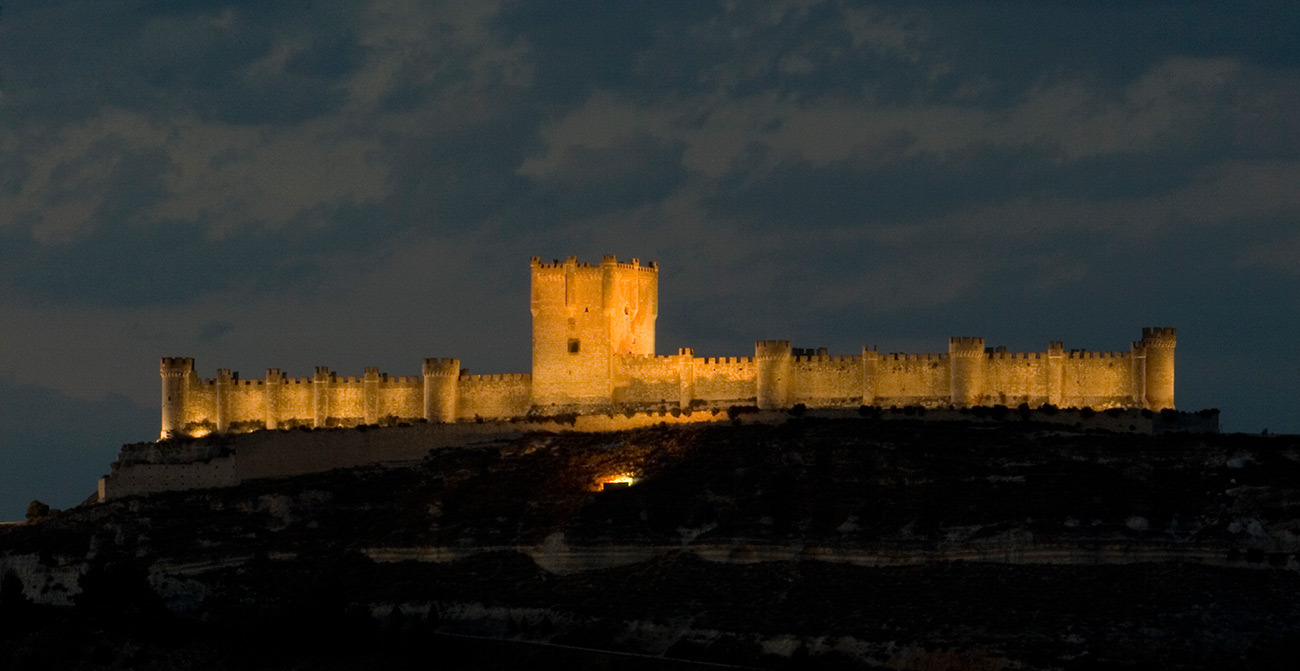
x=49 y=585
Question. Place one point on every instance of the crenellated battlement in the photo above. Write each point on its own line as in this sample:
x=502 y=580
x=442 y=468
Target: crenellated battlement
x=827 y=358
x=610 y=260
x=903 y=356
x=441 y=368
x=594 y=352
x=499 y=377
x=643 y=359
x=1012 y=356
x=767 y=349
x=1161 y=337
x=724 y=361
x=1159 y=332
x=1086 y=354
x=176 y=366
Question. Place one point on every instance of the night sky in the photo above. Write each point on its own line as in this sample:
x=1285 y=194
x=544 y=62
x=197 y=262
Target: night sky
x=353 y=183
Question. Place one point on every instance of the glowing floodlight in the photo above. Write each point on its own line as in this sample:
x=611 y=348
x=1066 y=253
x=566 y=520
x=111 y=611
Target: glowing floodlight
x=620 y=481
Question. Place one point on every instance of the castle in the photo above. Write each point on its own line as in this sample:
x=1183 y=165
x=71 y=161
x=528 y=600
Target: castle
x=594 y=352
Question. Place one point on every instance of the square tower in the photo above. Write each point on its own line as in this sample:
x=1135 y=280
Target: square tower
x=584 y=316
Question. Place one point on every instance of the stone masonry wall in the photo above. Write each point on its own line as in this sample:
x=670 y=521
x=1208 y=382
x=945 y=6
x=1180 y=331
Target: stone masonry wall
x=911 y=379
x=493 y=396
x=824 y=381
x=593 y=352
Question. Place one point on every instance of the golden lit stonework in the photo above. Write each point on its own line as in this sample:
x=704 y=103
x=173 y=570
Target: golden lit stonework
x=593 y=352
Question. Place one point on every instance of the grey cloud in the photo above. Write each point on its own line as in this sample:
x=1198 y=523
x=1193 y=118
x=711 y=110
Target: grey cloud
x=214 y=330
x=170 y=261
x=631 y=172
x=985 y=215
x=195 y=57
x=581 y=45
x=876 y=189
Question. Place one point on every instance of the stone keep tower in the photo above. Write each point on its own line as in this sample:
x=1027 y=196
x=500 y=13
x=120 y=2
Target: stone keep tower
x=583 y=317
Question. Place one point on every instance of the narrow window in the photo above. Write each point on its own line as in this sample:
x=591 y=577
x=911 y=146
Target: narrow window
x=573 y=345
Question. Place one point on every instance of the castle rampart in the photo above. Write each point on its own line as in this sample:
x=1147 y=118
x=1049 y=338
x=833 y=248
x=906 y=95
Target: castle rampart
x=593 y=353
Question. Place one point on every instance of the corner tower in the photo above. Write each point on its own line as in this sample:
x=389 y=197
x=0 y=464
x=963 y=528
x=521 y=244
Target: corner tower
x=584 y=316
x=1158 y=343
x=176 y=373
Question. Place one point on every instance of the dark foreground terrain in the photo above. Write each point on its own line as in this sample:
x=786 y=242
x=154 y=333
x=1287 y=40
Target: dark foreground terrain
x=811 y=544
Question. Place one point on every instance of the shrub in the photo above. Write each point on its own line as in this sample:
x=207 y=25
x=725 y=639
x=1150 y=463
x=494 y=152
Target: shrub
x=36 y=510
x=1087 y=412
x=737 y=410
x=798 y=410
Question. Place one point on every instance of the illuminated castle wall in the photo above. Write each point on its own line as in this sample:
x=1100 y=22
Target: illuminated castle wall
x=593 y=352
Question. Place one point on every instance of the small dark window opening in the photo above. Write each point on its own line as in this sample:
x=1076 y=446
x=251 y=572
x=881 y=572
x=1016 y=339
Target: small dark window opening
x=573 y=345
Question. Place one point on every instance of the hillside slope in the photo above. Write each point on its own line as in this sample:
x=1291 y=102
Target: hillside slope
x=839 y=543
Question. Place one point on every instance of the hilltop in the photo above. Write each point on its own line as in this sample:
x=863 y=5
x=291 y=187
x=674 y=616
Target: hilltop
x=840 y=543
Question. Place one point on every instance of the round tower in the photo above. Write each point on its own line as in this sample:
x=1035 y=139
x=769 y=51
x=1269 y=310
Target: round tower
x=175 y=372
x=772 y=379
x=440 y=389
x=1159 y=343
x=966 y=362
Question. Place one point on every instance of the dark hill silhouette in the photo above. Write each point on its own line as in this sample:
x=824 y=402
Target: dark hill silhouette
x=832 y=543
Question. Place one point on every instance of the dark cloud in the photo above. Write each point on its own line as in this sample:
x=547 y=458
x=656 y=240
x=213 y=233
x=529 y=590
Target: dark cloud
x=839 y=173
x=191 y=57
x=581 y=45
x=166 y=262
x=631 y=172
x=890 y=187
x=214 y=329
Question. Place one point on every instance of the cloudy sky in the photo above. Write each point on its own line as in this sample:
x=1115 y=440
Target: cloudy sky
x=352 y=183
